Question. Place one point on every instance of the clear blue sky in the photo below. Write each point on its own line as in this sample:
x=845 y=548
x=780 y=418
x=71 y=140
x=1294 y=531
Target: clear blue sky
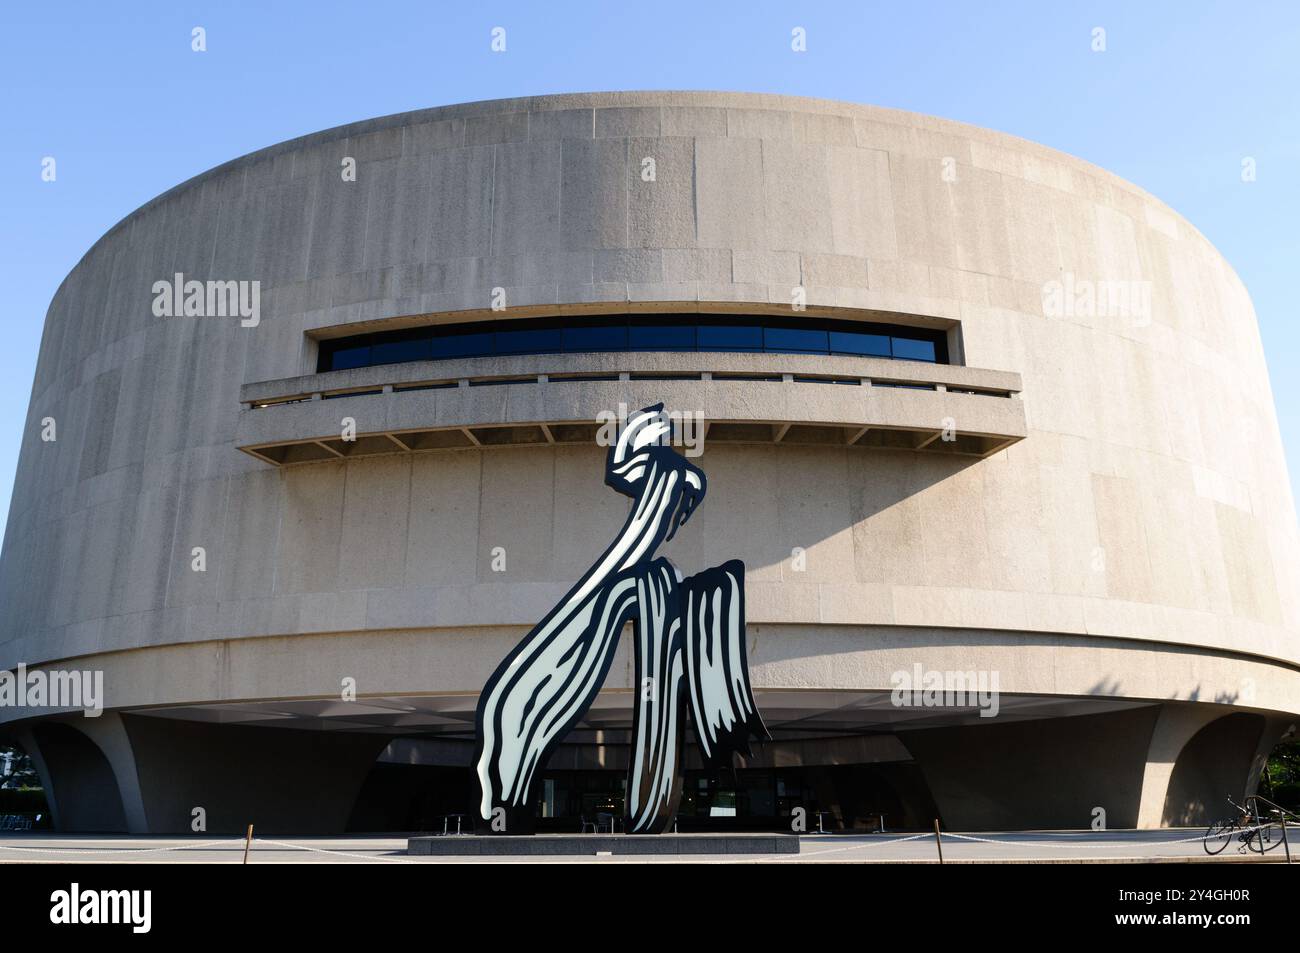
x=112 y=90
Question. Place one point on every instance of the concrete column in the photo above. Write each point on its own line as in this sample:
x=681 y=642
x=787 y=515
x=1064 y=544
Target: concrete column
x=81 y=777
x=109 y=734
x=1220 y=759
x=25 y=738
x=1176 y=725
x=1274 y=729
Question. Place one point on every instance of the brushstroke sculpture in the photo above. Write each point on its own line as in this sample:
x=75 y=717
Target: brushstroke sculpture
x=689 y=649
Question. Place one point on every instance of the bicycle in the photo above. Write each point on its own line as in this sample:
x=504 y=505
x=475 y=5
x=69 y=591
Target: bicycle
x=1253 y=831
x=1275 y=831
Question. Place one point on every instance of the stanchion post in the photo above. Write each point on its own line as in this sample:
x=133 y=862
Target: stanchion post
x=248 y=842
x=1286 y=844
x=938 y=841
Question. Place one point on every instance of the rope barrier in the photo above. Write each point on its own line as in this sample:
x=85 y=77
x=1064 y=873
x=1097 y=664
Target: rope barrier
x=837 y=850
x=990 y=840
x=337 y=853
x=875 y=843
x=1234 y=834
x=118 y=850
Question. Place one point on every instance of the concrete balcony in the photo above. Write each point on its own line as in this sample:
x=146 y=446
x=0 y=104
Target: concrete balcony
x=558 y=399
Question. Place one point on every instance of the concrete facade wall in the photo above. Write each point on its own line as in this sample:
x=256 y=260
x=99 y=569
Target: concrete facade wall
x=1149 y=503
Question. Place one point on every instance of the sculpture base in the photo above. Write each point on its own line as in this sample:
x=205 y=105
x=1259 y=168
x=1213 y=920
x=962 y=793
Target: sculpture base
x=468 y=845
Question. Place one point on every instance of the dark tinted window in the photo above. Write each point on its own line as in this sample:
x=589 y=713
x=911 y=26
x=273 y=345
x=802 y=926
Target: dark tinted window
x=795 y=339
x=345 y=357
x=854 y=342
x=462 y=345
x=661 y=337
x=908 y=349
x=729 y=338
x=533 y=341
x=596 y=338
x=638 y=332
x=400 y=348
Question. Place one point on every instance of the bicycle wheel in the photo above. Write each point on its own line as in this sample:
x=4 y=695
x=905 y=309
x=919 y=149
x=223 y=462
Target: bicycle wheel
x=1266 y=838
x=1218 y=836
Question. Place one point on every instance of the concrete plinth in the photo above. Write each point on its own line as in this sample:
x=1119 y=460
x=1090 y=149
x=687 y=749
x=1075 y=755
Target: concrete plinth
x=590 y=844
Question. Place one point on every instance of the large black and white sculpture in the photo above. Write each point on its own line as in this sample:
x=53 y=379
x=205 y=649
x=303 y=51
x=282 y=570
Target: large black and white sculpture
x=690 y=652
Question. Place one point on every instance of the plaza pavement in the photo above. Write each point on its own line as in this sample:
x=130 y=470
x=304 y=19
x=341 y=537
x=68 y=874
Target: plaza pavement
x=1171 y=845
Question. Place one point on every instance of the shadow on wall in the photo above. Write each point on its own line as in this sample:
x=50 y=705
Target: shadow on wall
x=1220 y=697
x=772 y=488
x=79 y=782
x=1216 y=763
x=282 y=780
x=1043 y=774
x=1107 y=687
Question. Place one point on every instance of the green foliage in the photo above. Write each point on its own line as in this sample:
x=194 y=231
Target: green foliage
x=1281 y=780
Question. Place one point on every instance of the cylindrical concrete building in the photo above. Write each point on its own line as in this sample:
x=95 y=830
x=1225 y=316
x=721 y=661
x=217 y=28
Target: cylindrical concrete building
x=311 y=445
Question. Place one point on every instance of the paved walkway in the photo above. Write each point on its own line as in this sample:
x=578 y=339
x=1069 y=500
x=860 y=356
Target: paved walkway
x=1039 y=847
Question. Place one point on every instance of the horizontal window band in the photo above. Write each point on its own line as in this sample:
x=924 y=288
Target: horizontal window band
x=758 y=334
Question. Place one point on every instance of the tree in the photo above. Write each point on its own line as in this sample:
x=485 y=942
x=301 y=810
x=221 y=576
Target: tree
x=1281 y=779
